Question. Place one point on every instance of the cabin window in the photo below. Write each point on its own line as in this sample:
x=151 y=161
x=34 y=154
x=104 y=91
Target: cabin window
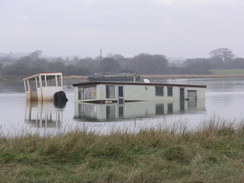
x=51 y=81
x=32 y=85
x=43 y=81
x=37 y=82
x=59 y=80
x=159 y=91
x=159 y=109
x=170 y=91
x=110 y=91
x=86 y=93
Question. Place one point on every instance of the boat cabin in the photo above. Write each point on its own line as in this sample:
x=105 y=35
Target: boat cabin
x=120 y=92
x=43 y=86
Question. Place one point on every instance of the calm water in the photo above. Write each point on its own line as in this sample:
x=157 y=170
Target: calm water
x=224 y=99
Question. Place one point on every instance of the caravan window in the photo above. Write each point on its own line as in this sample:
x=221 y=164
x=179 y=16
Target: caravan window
x=110 y=91
x=159 y=91
x=170 y=91
x=86 y=93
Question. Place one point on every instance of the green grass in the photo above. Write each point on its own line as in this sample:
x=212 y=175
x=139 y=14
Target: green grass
x=226 y=71
x=214 y=154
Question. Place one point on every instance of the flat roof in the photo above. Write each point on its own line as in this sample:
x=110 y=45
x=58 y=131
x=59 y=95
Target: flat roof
x=42 y=73
x=134 y=83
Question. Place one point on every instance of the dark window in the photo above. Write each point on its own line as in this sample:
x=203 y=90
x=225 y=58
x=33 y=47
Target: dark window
x=159 y=109
x=170 y=91
x=159 y=91
x=121 y=93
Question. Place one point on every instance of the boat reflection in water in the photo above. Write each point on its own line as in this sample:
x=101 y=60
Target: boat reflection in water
x=130 y=110
x=43 y=114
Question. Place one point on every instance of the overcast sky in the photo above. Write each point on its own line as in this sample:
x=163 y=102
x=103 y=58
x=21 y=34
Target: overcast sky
x=175 y=28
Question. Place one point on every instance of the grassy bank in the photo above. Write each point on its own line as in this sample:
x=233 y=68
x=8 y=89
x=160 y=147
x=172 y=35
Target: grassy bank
x=215 y=154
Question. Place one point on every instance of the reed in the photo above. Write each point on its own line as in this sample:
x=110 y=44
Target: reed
x=213 y=154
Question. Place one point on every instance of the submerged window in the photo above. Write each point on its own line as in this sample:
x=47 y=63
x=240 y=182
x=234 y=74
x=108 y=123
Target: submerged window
x=159 y=91
x=170 y=91
x=110 y=91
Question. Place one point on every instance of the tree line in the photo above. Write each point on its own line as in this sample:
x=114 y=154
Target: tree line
x=221 y=58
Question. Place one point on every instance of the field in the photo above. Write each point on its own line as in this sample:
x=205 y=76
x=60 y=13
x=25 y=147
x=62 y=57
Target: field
x=213 y=154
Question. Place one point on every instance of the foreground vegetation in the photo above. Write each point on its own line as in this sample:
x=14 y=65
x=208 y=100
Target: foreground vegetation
x=215 y=154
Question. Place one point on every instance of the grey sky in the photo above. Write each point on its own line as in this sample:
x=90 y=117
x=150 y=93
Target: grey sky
x=178 y=28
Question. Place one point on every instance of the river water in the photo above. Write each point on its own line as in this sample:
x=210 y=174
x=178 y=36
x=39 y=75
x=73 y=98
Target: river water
x=224 y=101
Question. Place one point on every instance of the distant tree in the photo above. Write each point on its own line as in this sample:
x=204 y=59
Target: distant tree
x=197 y=66
x=118 y=57
x=35 y=54
x=237 y=63
x=109 y=65
x=149 y=64
x=225 y=54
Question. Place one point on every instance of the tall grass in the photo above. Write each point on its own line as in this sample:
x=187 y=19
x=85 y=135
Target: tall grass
x=213 y=154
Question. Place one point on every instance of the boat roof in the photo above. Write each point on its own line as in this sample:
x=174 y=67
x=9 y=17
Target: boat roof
x=134 y=83
x=42 y=73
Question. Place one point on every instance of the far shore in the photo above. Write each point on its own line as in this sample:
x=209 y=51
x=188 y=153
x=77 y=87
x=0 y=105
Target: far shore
x=78 y=78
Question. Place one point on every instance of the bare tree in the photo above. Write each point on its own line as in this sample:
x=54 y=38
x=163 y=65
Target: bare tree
x=224 y=54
